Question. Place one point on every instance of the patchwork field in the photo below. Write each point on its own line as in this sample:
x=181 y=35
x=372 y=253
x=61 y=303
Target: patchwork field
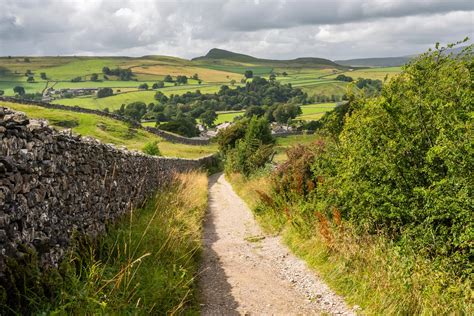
x=207 y=75
x=315 y=111
x=110 y=131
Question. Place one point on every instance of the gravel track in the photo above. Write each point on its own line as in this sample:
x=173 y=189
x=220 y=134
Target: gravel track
x=245 y=272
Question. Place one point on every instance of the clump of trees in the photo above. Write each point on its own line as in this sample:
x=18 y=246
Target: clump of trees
x=122 y=74
x=345 y=78
x=104 y=92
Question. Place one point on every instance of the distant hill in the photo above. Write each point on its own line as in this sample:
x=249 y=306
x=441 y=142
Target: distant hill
x=221 y=54
x=386 y=61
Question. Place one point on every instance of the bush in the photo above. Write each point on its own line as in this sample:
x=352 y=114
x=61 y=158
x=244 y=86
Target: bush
x=400 y=163
x=152 y=149
x=252 y=151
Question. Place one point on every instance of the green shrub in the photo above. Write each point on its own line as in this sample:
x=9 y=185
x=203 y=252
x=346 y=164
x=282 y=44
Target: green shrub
x=152 y=149
x=400 y=164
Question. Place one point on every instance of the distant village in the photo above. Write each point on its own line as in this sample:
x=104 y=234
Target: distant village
x=51 y=93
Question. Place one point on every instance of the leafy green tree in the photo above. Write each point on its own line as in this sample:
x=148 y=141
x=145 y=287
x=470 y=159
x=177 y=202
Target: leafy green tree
x=248 y=74
x=105 y=92
x=106 y=70
x=30 y=79
x=252 y=151
x=168 y=78
x=185 y=126
x=284 y=74
x=19 y=90
x=196 y=77
x=94 y=77
x=161 y=97
x=143 y=86
x=272 y=77
x=43 y=76
x=2 y=92
x=284 y=112
x=182 y=79
x=158 y=85
x=135 y=110
x=207 y=118
x=254 y=111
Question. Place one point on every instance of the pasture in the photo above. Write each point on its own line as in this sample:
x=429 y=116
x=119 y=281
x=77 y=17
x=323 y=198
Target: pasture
x=110 y=131
x=315 y=111
x=227 y=116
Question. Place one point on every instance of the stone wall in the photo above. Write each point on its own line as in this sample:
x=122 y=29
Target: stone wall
x=164 y=134
x=53 y=184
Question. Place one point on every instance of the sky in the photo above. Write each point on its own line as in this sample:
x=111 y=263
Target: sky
x=277 y=29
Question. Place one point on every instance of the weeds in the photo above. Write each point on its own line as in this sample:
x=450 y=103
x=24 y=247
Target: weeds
x=146 y=264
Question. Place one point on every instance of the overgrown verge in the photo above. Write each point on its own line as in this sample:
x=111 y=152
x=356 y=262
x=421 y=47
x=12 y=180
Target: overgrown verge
x=381 y=203
x=146 y=264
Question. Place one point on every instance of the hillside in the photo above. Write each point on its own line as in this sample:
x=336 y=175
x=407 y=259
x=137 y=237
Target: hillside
x=221 y=54
x=387 y=61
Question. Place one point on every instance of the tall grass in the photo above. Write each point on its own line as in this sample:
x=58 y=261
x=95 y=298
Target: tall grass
x=368 y=270
x=146 y=264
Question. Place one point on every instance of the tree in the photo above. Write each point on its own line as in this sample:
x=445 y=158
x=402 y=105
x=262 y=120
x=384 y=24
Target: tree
x=76 y=79
x=184 y=125
x=345 y=78
x=43 y=76
x=284 y=74
x=254 y=111
x=2 y=92
x=158 y=85
x=30 y=79
x=232 y=82
x=272 y=77
x=19 y=90
x=196 y=77
x=161 y=97
x=207 y=118
x=106 y=70
x=181 y=79
x=168 y=78
x=26 y=60
x=104 y=92
x=94 y=77
x=28 y=72
x=143 y=86
x=135 y=110
x=248 y=74
x=284 y=112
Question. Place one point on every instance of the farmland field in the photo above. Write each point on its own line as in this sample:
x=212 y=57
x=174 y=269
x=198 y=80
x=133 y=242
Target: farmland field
x=315 y=111
x=227 y=116
x=283 y=143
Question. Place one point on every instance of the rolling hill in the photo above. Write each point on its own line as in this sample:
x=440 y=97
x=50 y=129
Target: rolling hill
x=221 y=54
x=387 y=61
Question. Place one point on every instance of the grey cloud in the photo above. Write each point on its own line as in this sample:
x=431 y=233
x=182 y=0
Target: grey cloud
x=272 y=29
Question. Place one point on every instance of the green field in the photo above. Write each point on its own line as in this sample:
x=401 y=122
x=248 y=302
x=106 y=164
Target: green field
x=227 y=116
x=148 y=96
x=315 y=111
x=110 y=131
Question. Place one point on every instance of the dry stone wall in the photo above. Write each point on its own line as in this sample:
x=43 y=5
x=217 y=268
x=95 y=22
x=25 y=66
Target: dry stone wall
x=53 y=184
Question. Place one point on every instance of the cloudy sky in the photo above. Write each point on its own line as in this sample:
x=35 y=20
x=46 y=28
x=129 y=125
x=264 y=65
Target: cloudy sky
x=279 y=29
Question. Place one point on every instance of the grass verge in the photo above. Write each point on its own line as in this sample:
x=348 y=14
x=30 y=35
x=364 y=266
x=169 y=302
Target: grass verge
x=146 y=264
x=368 y=270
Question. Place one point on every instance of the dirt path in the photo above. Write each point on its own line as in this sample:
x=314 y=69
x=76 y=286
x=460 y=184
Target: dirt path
x=245 y=272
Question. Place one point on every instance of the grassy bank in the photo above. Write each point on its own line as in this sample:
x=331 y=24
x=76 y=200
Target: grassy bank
x=110 y=131
x=146 y=264
x=368 y=270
